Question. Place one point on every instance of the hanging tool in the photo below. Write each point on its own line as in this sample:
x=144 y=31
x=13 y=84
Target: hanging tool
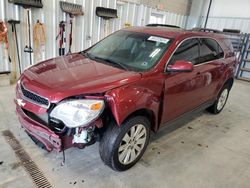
x=3 y=33
x=73 y=10
x=39 y=39
x=70 y=36
x=62 y=40
x=27 y=4
x=28 y=48
x=13 y=58
x=106 y=14
x=15 y=42
x=4 y=39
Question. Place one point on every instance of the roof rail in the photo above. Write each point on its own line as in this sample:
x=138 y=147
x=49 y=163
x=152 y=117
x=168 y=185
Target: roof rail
x=236 y=31
x=162 y=25
x=206 y=30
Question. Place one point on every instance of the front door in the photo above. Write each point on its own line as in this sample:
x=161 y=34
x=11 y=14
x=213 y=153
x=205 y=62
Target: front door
x=183 y=90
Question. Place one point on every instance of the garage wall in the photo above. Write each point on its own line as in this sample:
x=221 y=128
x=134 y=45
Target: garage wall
x=235 y=9
x=87 y=29
x=177 y=6
x=221 y=23
x=224 y=14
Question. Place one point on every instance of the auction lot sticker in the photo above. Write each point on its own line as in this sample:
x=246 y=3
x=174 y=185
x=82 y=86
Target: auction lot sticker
x=158 y=39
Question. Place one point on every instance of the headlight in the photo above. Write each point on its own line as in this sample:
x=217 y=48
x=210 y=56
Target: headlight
x=75 y=113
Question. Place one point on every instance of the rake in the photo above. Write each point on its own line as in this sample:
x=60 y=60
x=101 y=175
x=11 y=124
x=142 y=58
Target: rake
x=27 y=4
x=106 y=14
x=73 y=10
x=13 y=24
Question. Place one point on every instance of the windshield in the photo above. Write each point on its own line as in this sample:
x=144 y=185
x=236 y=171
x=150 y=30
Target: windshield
x=129 y=50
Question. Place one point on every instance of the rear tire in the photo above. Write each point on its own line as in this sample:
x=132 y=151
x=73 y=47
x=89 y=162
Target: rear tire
x=220 y=101
x=122 y=146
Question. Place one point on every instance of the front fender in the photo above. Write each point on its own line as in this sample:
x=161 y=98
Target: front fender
x=125 y=100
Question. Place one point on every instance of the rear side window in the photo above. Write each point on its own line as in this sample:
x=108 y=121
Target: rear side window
x=209 y=50
x=188 y=50
x=228 y=44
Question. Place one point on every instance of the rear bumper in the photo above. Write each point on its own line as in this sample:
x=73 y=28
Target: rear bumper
x=39 y=131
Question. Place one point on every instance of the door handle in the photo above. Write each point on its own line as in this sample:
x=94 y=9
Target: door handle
x=198 y=73
x=222 y=67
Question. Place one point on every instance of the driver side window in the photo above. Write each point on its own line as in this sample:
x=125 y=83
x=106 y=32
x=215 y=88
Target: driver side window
x=188 y=51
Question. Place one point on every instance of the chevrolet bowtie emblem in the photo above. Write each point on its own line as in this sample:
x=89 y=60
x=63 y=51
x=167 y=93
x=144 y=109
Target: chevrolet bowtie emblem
x=20 y=102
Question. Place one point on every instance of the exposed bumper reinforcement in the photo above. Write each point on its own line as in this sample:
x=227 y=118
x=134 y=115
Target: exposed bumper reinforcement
x=39 y=131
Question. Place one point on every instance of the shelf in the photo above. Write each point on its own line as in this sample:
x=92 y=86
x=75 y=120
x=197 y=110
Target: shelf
x=244 y=79
x=245 y=69
x=247 y=60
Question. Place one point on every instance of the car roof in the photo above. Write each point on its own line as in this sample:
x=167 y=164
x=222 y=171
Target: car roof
x=169 y=32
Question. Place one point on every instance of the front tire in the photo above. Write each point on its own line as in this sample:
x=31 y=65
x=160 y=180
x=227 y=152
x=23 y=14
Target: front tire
x=220 y=101
x=122 y=146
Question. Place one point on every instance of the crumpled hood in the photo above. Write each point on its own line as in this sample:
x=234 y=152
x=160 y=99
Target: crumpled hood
x=74 y=74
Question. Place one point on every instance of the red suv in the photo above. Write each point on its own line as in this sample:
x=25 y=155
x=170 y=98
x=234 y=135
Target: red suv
x=134 y=81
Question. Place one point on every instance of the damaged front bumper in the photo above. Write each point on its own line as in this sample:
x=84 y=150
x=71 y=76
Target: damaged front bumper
x=43 y=134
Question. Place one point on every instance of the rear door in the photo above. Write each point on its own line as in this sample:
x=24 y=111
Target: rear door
x=211 y=66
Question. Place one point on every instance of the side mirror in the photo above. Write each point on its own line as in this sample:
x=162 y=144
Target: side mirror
x=180 y=66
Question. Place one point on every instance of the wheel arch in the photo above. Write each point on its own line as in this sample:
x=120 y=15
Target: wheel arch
x=137 y=100
x=230 y=82
x=146 y=113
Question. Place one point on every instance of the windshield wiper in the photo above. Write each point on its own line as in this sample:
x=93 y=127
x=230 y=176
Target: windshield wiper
x=85 y=53
x=111 y=62
x=90 y=56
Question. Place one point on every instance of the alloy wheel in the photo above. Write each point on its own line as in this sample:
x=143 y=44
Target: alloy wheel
x=222 y=100
x=132 y=144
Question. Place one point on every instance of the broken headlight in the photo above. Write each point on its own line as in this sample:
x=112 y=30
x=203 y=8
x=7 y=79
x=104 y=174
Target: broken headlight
x=75 y=113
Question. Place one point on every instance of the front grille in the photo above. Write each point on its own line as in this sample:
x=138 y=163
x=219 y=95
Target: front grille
x=32 y=97
x=42 y=119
